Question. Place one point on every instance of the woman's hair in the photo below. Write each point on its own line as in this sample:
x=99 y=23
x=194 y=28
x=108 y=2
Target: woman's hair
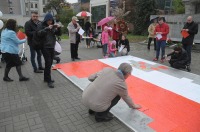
x=125 y=68
x=124 y=36
x=11 y=24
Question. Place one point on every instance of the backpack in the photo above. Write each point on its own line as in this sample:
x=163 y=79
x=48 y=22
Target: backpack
x=37 y=41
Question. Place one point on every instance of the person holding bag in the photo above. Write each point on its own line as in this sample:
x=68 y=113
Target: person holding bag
x=10 y=49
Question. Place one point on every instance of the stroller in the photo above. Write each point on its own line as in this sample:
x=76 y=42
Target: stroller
x=22 y=56
x=97 y=40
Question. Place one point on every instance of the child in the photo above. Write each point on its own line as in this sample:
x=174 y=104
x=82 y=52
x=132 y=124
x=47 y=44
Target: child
x=105 y=41
x=124 y=46
x=112 y=48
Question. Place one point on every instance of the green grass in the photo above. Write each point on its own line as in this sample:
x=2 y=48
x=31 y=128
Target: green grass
x=136 y=38
x=64 y=36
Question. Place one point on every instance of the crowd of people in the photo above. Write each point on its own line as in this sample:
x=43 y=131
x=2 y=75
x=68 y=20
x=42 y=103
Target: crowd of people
x=113 y=44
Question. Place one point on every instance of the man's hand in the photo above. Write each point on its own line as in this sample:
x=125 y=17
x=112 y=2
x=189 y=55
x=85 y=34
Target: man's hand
x=137 y=106
x=50 y=26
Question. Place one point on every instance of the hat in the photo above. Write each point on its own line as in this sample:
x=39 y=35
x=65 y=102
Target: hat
x=75 y=18
x=113 y=42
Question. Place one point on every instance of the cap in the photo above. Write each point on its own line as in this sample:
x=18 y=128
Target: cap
x=75 y=18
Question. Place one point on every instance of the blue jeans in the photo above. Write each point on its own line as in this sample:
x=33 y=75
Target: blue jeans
x=188 y=49
x=39 y=54
x=105 y=49
x=160 y=44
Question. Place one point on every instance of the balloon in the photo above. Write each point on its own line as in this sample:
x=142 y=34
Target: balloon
x=21 y=35
x=1 y=24
x=1 y=14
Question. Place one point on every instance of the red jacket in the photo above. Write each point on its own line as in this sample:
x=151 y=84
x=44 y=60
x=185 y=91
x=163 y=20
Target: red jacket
x=164 y=28
x=115 y=33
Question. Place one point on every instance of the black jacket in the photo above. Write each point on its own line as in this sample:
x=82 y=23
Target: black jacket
x=181 y=57
x=193 y=29
x=30 y=28
x=125 y=43
x=48 y=35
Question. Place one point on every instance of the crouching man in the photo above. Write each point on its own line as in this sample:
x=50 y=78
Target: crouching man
x=106 y=89
x=179 y=59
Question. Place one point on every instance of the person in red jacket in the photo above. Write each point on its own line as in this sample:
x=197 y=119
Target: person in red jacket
x=161 y=31
x=115 y=34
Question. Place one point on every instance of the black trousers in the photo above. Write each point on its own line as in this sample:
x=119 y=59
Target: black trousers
x=149 y=43
x=74 y=50
x=105 y=113
x=48 y=54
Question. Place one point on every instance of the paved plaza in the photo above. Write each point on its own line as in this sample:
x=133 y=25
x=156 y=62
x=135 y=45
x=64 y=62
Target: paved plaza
x=33 y=107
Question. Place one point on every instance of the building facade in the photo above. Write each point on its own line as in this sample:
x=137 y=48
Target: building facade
x=23 y=7
x=192 y=6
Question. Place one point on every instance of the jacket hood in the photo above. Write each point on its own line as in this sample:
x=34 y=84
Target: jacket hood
x=47 y=17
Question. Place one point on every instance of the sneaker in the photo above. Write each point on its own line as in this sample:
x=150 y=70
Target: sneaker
x=188 y=68
x=38 y=71
x=77 y=58
x=155 y=59
x=162 y=60
x=58 y=61
x=23 y=79
x=50 y=85
x=103 y=119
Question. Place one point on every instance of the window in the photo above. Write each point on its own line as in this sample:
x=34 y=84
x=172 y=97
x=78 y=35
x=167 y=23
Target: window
x=31 y=5
x=36 y=6
x=43 y=2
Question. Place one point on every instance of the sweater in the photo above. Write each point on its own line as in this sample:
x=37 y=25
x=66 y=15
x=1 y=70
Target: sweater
x=10 y=42
x=164 y=29
x=99 y=94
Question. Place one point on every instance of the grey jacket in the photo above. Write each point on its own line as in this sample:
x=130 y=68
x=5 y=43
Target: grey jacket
x=72 y=32
x=105 y=86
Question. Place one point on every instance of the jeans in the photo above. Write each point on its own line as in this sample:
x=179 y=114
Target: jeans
x=105 y=113
x=160 y=44
x=74 y=50
x=149 y=43
x=188 y=49
x=105 y=46
x=48 y=54
x=39 y=60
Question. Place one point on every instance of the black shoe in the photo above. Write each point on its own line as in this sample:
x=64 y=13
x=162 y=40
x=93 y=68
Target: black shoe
x=7 y=79
x=50 y=81
x=148 y=48
x=50 y=85
x=103 y=119
x=188 y=68
x=91 y=112
x=24 y=79
x=73 y=59
x=110 y=115
x=38 y=71
x=77 y=58
x=41 y=68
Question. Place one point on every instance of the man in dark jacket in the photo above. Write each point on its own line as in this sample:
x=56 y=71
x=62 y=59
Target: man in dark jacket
x=192 y=28
x=179 y=59
x=30 y=28
x=47 y=30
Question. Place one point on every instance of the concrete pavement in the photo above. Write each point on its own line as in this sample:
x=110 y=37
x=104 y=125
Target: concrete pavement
x=32 y=106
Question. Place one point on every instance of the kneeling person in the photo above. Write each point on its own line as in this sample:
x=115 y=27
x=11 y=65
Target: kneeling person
x=179 y=59
x=106 y=89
